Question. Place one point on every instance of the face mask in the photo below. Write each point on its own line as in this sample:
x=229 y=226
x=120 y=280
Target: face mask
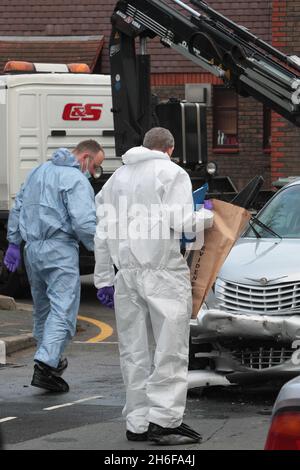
x=98 y=172
x=87 y=174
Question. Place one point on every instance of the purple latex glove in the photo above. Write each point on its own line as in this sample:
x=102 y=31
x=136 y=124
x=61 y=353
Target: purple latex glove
x=12 y=259
x=106 y=296
x=208 y=205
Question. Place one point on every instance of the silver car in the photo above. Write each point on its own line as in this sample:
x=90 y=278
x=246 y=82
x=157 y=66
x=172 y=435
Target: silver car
x=249 y=327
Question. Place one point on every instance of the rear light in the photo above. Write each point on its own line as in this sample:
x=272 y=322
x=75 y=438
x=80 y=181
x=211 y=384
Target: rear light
x=19 y=66
x=284 y=433
x=79 y=68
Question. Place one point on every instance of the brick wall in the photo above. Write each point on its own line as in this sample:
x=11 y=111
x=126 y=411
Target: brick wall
x=285 y=159
x=251 y=160
x=92 y=17
x=275 y=21
x=278 y=23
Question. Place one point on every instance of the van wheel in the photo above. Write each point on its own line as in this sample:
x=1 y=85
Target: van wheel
x=12 y=284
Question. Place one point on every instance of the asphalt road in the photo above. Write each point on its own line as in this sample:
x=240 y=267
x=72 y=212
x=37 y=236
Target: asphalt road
x=90 y=415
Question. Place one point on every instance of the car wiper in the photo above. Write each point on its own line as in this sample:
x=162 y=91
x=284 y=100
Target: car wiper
x=254 y=229
x=264 y=227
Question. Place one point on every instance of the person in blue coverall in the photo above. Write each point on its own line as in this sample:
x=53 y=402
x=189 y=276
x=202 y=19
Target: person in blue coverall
x=53 y=212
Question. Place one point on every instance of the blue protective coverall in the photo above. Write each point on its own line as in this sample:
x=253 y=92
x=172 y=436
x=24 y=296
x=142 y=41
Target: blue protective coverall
x=53 y=211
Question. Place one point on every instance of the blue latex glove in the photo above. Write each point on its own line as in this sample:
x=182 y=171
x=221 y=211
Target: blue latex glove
x=12 y=259
x=106 y=296
x=208 y=205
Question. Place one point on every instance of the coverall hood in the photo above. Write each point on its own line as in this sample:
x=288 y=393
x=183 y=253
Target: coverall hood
x=63 y=157
x=142 y=154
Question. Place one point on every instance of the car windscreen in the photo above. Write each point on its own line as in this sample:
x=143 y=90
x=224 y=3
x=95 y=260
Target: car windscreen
x=281 y=214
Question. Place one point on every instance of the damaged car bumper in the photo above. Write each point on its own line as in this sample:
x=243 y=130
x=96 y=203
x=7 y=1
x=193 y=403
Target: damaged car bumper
x=219 y=323
x=241 y=348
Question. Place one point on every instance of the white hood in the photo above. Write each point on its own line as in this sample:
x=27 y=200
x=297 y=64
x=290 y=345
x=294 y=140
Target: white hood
x=257 y=258
x=140 y=154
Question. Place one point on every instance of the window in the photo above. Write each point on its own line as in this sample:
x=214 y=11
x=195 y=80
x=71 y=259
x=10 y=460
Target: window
x=281 y=215
x=225 y=119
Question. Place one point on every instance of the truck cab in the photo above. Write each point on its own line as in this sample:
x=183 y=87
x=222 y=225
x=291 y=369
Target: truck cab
x=44 y=107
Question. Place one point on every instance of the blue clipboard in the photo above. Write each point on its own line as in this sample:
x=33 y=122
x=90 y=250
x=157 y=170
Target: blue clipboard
x=198 y=197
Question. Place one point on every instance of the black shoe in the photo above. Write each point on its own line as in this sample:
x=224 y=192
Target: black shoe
x=138 y=437
x=183 y=434
x=43 y=377
x=60 y=369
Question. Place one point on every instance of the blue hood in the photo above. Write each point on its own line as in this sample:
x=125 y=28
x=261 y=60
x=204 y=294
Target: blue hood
x=63 y=157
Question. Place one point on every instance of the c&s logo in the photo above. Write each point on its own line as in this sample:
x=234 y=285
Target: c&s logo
x=82 y=112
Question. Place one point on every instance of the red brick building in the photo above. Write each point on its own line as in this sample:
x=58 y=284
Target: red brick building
x=244 y=137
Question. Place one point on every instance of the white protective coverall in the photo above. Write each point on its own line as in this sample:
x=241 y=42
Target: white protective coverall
x=152 y=286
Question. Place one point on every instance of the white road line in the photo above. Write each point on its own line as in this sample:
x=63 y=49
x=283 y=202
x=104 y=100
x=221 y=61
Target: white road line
x=10 y=418
x=72 y=403
x=88 y=399
x=58 y=406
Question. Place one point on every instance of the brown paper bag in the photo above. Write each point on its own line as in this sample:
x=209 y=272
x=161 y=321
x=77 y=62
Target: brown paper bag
x=205 y=264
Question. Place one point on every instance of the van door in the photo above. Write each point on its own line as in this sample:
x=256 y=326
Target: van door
x=75 y=113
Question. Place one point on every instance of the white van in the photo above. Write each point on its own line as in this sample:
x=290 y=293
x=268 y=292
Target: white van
x=45 y=109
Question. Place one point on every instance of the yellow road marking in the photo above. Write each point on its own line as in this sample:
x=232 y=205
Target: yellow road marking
x=105 y=329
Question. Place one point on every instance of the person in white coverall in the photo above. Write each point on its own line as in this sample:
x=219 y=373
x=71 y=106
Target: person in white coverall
x=139 y=228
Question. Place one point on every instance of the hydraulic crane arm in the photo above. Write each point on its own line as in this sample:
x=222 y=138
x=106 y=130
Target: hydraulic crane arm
x=215 y=43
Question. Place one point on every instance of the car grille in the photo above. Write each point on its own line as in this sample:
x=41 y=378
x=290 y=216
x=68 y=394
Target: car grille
x=258 y=299
x=262 y=357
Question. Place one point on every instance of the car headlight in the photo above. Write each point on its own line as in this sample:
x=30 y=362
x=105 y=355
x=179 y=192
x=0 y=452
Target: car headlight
x=211 y=168
x=194 y=322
